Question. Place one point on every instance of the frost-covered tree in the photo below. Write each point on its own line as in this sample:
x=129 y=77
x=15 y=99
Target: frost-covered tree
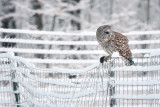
x=69 y=15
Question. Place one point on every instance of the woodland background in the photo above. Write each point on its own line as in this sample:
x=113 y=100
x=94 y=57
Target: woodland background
x=72 y=15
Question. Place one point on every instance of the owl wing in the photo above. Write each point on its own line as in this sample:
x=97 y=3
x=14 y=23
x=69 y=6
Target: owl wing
x=120 y=40
x=122 y=46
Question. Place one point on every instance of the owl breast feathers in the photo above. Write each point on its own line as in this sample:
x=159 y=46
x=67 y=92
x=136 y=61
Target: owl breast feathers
x=112 y=41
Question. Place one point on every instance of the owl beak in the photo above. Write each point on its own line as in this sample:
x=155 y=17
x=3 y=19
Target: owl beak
x=110 y=36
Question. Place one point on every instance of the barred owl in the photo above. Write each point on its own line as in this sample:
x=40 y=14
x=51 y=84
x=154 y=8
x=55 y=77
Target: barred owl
x=113 y=42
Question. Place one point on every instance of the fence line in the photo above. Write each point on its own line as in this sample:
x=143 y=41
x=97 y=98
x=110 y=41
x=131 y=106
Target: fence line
x=110 y=84
x=38 y=89
x=31 y=41
x=49 y=33
x=85 y=33
x=68 y=52
x=47 y=51
x=78 y=48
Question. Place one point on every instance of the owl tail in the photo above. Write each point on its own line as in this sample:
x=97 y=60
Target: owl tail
x=129 y=61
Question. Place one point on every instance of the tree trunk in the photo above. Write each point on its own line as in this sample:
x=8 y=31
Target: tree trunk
x=37 y=17
x=76 y=13
x=8 y=22
x=37 y=21
x=148 y=12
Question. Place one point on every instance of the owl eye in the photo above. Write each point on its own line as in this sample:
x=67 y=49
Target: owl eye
x=107 y=32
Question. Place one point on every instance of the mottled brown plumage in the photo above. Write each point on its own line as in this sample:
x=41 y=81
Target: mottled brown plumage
x=112 y=41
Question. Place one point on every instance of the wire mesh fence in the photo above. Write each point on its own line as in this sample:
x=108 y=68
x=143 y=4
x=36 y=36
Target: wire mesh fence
x=107 y=85
x=138 y=85
x=29 y=86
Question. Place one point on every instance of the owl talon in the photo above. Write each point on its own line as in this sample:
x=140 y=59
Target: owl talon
x=72 y=76
x=102 y=59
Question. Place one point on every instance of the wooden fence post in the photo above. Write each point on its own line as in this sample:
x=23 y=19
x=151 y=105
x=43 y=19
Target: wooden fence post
x=112 y=92
x=15 y=87
x=14 y=83
x=111 y=87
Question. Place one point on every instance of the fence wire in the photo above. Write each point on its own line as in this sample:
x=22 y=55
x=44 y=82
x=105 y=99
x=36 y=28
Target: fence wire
x=28 y=86
x=138 y=85
x=107 y=85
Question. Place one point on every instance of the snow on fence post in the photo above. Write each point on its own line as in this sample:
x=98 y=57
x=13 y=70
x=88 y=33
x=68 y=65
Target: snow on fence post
x=112 y=92
x=111 y=87
x=14 y=84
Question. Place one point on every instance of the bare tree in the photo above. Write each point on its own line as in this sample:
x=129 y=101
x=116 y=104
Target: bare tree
x=37 y=16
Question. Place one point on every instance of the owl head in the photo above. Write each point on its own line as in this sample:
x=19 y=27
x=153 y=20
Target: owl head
x=104 y=33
